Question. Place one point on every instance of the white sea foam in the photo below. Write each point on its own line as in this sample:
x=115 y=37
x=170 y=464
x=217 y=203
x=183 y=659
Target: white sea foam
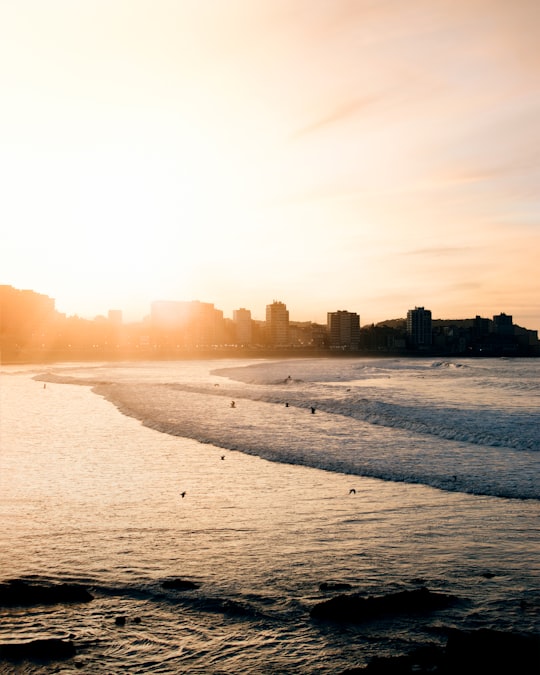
x=456 y=426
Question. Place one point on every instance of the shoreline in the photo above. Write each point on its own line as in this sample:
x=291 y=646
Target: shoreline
x=86 y=356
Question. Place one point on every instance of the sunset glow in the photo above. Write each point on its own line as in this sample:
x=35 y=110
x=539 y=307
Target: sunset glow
x=336 y=155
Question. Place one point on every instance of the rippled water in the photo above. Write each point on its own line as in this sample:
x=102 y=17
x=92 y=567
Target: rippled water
x=94 y=496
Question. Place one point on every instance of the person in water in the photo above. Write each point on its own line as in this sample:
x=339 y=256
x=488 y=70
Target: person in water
x=233 y=404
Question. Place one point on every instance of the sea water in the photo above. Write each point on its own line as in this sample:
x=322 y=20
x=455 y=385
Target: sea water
x=384 y=474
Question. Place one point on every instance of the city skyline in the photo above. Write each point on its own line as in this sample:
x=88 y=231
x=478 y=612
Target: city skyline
x=336 y=155
x=31 y=328
x=175 y=311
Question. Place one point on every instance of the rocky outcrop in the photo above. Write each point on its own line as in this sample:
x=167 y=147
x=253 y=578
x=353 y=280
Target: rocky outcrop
x=20 y=593
x=422 y=661
x=492 y=651
x=49 y=649
x=356 y=609
x=466 y=653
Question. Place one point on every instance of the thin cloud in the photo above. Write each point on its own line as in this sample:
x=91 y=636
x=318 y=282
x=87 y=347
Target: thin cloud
x=343 y=112
x=442 y=250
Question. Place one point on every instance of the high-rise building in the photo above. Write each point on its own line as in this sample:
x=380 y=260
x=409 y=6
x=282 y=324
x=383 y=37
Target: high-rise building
x=277 y=324
x=343 y=329
x=419 y=327
x=26 y=317
x=503 y=324
x=206 y=325
x=243 y=326
x=191 y=324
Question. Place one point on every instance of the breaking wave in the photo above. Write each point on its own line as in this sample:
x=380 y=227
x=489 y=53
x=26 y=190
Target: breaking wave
x=395 y=421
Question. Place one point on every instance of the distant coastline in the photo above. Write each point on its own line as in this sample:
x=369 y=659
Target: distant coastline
x=41 y=357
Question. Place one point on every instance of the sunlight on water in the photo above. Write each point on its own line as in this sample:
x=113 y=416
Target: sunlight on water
x=92 y=496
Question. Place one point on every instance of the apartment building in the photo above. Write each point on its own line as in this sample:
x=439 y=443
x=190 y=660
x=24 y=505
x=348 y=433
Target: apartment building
x=419 y=327
x=243 y=326
x=343 y=329
x=277 y=324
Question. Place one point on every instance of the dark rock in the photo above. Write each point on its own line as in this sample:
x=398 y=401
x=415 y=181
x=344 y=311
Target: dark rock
x=390 y=665
x=137 y=619
x=48 y=649
x=329 y=586
x=18 y=592
x=421 y=661
x=466 y=653
x=494 y=652
x=355 y=609
x=427 y=660
x=179 y=584
x=120 y=620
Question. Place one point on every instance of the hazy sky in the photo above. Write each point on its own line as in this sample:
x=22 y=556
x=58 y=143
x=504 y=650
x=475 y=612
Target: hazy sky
x=368 y=155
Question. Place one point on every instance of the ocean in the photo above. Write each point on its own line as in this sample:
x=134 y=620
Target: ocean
x=258 y=481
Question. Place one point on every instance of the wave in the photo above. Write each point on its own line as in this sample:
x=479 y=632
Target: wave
x=483 y=427
x=478 y=449
x=491 y=428
x=330 y=441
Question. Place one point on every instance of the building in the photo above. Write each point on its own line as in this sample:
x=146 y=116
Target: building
x=419 y=327
x=186 y=324
x=343 y=329
x=503 y=324
x=27 y=319
x=243 y=326
x=277 y=324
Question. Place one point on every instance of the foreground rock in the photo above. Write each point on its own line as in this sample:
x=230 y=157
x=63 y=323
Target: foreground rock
x=356 y=609
x=466 y=653
x=493 y=651
x=50 y=649
x=20 y=593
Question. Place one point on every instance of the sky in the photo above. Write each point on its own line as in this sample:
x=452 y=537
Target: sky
x=367 y=155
